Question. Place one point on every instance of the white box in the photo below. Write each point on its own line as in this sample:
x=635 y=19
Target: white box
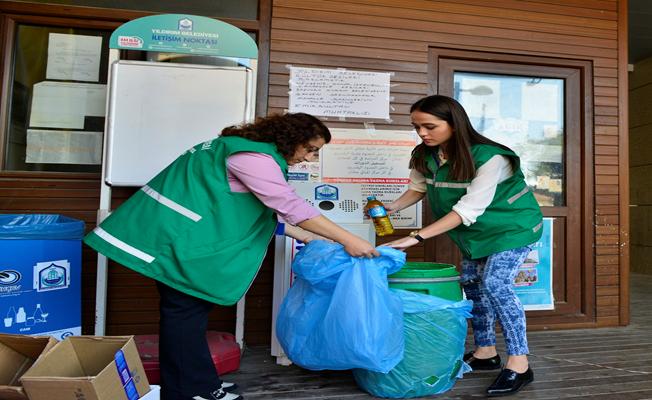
x=339 y=202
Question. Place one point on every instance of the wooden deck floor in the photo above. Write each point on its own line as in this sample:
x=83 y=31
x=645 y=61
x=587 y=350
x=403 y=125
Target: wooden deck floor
x=613 y=364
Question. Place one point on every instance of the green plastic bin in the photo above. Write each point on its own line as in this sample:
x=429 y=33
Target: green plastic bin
x=440 y=280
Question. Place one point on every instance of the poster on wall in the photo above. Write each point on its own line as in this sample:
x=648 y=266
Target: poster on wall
x=339 y=93
x=533 y=282
x=375 y=159
x=378 y=160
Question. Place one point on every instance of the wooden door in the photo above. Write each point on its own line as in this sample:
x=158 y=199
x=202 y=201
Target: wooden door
x=541 y=108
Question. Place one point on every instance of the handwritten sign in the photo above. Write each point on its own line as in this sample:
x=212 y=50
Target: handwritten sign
x=339 y=93
x=74 y=57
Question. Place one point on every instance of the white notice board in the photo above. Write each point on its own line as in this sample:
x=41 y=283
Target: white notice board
x=159 y=110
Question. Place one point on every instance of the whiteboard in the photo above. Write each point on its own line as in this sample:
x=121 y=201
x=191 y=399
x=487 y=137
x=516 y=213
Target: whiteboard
x=156 y=111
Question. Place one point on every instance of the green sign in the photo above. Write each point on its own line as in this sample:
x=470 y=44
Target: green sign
x=182 y=33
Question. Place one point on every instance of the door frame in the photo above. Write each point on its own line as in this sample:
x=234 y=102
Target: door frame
x=577 y=284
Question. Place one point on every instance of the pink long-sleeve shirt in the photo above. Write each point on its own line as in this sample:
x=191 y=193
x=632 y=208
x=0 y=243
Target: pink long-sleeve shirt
x=259 y=174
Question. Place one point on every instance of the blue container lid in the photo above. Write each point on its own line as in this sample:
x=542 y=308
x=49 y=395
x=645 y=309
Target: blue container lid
x=40 y=226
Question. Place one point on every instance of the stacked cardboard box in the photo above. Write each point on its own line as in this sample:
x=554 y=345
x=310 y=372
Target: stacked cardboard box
x=17 y=354
x=89 y=368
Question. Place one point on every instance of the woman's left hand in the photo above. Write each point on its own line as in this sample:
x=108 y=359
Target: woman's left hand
x=402 y=243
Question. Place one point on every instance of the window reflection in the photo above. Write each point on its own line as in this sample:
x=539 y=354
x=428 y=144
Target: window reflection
x=527 y=115
x=57 y=99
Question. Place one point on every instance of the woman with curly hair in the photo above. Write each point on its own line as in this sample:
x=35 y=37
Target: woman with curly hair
x=201 y=229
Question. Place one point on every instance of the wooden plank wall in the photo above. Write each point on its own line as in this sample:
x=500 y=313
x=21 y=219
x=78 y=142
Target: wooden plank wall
x=640 y=164
x=388 y=35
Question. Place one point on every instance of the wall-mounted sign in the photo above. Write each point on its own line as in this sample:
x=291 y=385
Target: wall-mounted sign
x=182 y=33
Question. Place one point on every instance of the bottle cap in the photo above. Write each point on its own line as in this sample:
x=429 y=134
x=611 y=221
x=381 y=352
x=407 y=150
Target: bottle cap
x=371 y=197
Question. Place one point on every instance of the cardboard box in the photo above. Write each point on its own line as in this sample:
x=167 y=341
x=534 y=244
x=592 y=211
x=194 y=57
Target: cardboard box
x=17 y=354
x=88 y=368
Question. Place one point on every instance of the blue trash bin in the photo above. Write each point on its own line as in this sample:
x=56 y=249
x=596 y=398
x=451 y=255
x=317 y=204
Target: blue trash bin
x=40 y=274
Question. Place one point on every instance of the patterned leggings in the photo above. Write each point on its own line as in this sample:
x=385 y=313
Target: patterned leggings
x=488 y=282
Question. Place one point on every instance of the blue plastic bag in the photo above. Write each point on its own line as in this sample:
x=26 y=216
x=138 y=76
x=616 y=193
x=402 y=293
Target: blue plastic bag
x=40 y=226
x=340 y=313
x=435 y=332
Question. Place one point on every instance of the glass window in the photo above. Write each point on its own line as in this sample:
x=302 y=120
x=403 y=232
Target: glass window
x=239 y=9
x=57 y=99
x=527 y=115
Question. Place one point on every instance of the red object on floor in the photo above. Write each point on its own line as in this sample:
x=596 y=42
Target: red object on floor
x=224 y=350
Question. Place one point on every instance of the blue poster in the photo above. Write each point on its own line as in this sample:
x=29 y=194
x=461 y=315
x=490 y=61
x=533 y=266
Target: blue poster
x=533 y=282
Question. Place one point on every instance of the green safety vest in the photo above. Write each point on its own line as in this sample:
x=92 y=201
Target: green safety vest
x=513 y=219
x=187 y=229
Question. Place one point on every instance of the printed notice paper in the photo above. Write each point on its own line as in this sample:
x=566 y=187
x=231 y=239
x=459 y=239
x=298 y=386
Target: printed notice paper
x=339 y=93
x=65 y=104
x=63 y=147
x=376 y=159
x=356 y=156
x=533 y=281
x=74 y=57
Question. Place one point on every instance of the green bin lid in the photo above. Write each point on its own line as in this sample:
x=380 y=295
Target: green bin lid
x=425 y=270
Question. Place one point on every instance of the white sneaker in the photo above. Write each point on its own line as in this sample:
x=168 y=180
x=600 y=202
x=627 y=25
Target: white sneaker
x=229 y=387
x=219 y=395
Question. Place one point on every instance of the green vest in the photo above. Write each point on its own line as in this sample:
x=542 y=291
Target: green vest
x=187 y=229
x=513 y=219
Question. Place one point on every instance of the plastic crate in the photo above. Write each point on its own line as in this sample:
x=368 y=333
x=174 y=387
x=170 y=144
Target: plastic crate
x=224 y=351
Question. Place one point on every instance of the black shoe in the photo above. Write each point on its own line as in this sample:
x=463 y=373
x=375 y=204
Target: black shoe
x=509 y=382
x=218 y=394
x=229 y=387
x=482 y=364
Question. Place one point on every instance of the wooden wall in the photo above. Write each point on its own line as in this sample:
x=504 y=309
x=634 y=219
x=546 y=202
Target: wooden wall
x=640 y=163
x=388 y=35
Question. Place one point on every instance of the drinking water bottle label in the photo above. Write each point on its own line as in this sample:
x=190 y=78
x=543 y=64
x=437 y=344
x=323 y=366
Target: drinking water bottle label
x=377 y=211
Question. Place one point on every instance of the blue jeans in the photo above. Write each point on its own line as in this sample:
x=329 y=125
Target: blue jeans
x=488 y=282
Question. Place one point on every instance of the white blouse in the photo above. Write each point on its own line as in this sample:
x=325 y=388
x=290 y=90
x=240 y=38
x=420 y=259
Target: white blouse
x=480 y=192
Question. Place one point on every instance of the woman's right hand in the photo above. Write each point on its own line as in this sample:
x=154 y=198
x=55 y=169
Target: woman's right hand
x=358 y=247
x=354 y=245
x=391 y=208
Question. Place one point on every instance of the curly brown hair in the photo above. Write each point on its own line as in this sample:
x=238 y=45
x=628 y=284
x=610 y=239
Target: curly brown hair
x=287 y=131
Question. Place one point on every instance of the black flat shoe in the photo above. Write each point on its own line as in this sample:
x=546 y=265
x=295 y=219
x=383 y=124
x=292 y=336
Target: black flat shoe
x=482 y=364
x=509 y=382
